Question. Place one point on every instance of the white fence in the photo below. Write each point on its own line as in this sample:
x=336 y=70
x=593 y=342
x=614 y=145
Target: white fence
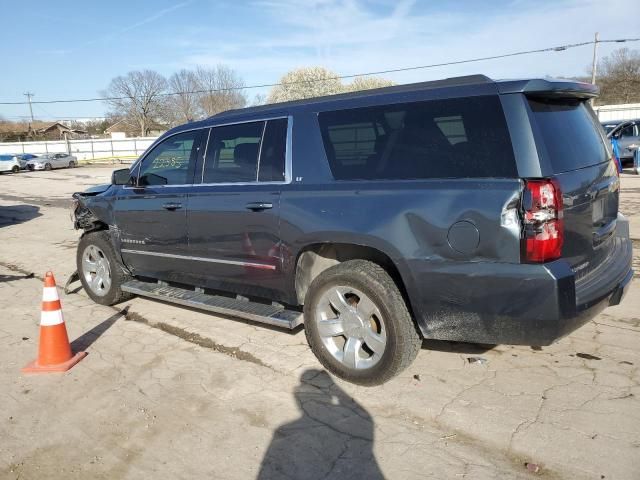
x=627 y=111
x=85 y=150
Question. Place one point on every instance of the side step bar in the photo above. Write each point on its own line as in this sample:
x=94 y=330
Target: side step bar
x=271 y=314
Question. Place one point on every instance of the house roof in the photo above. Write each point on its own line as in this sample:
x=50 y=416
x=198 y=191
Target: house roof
x=125 y=124
x=35 y=126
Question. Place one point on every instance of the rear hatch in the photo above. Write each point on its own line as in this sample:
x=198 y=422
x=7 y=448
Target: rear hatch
x=579 y=160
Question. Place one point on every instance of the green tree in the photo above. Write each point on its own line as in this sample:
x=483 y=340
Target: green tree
x=305 y=83
x=367 y=83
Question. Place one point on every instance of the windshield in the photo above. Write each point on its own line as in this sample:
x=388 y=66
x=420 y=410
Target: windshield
x=609 y=126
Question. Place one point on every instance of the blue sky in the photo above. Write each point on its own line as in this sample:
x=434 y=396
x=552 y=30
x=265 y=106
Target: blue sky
x=71 y=49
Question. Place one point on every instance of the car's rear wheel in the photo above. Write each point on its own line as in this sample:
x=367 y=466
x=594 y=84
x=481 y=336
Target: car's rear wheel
x=100 y=271
x=47 y=166
x=15 y=169
x=358 y=324
x=72 y=164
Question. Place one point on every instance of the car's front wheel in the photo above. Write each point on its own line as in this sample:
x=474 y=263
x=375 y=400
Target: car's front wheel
x=47 y=166
x=358 y=324
x=101 y=273
x=72 y=164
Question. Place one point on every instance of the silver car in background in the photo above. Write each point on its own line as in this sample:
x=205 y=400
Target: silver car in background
x=50 y=161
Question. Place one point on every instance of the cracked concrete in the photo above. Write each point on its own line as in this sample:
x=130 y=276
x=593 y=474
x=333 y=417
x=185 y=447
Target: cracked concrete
x=208 y=396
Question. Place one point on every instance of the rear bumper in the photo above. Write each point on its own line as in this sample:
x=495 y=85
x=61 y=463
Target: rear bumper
x=497 y=303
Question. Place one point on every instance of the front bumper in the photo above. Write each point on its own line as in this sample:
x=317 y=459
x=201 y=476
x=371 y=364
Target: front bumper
x=517 y=304
x=35 y=167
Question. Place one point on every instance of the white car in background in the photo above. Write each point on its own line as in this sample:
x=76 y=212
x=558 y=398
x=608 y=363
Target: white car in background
x=49 y=161
x=12 y=163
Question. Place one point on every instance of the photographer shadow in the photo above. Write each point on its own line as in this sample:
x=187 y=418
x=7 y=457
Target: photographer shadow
x=333 y=438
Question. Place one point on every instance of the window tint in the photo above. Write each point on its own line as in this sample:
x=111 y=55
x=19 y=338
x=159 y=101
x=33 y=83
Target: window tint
x=232 y=153
x=570 y=133
x=434 y=139
x=272 y=154
x=168 y=163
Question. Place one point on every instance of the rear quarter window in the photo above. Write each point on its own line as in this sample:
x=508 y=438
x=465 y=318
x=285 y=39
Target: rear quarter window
x=570 y=133
x=453 y=138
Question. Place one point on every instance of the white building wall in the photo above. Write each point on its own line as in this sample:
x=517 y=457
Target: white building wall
x=89 y=149
x=627 y=111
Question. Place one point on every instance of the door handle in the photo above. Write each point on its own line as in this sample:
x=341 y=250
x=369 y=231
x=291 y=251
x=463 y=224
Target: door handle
x=258 y=206
x=172 y=206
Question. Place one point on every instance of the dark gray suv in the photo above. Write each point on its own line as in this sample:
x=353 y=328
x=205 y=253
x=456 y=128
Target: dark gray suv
x=453 y=210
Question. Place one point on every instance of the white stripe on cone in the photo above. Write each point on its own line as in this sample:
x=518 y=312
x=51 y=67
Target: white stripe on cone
x=48 y=319
x=50 y=294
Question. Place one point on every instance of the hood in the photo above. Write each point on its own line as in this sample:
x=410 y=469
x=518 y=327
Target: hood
x=95 y=190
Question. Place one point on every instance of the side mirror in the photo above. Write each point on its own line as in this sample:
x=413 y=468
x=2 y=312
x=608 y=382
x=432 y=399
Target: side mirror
x=121 y=177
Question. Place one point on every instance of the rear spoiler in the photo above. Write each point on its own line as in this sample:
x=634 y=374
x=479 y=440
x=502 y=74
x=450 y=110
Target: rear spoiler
x=549 y=88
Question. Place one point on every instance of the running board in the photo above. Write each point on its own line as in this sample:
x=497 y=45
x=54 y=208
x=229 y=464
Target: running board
x=275 y=315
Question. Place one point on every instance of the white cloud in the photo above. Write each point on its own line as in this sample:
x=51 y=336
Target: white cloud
x=351 y=36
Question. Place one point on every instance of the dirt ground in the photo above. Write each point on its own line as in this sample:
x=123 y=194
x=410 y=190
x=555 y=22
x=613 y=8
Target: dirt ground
x=170 y=392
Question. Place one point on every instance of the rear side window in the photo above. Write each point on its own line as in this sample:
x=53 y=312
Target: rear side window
x=272 y=153
x=232 y=153
x=455 y=138
x=570 y=132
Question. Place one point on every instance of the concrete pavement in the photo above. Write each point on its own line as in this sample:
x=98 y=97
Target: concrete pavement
x=177 y=393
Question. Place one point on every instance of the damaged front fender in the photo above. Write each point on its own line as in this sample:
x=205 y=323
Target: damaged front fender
x=90 y=210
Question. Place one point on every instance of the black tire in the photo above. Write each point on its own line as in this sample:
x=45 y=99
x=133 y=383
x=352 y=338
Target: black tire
x=403 y=340
x=47 y=166
x=15 y=169
x=72 y=164
x=119 y=276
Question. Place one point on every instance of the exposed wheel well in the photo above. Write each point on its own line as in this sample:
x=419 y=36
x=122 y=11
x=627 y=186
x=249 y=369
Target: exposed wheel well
x=315 y=259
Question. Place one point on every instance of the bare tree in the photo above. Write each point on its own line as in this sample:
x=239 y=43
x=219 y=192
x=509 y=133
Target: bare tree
x=619 y=77
x=223 y=89
x=183 y=106
x=138 y=96
x=305 y=83
x=259 y=99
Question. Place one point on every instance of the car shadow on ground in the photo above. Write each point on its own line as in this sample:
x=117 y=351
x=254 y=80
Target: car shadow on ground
x=333 y=438
x=456 y=347
x=88 y=338
x=15 y=214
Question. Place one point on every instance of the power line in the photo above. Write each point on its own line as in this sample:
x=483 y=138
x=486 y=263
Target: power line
x=559 y=48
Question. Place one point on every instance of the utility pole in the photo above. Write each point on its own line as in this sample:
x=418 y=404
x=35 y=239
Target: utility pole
x=594 y=63
x=29 y=95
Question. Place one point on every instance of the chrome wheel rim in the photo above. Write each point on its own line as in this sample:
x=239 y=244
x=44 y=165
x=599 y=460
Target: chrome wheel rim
x=96 y=270
x=351 y=327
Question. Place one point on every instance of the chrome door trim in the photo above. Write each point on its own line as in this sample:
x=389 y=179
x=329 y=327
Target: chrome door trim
x=204 y=157
x=264 y=129
x=264 y=266
x=288 y=156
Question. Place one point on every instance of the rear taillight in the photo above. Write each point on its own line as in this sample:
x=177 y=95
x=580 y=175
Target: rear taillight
x=616 y=164
x=543 y=232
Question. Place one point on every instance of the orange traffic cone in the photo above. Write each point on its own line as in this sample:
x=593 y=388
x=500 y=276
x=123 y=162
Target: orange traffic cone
x=54 y=354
